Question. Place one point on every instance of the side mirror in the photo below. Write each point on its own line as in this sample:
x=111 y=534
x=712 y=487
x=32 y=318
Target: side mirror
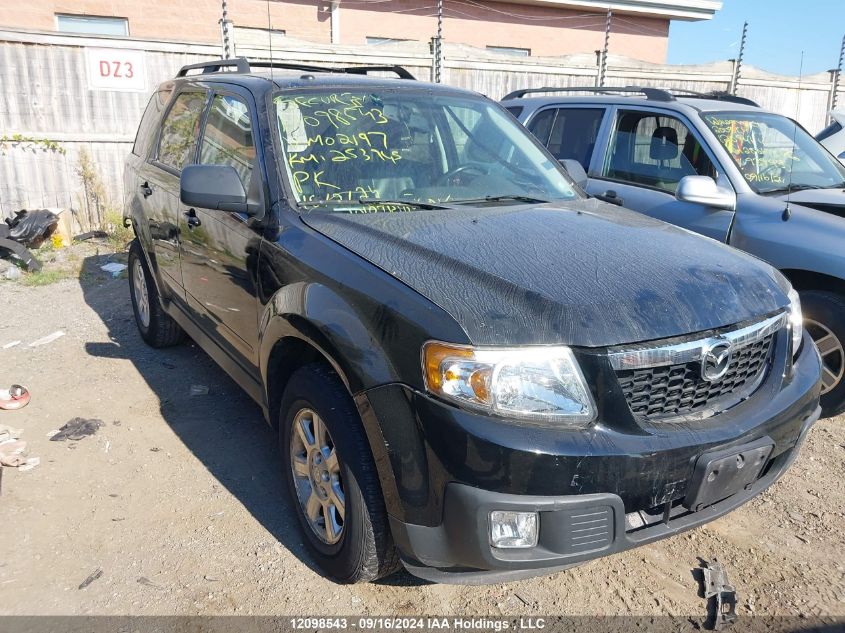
x=213 y=187
x=575 y=171
x=704 y=190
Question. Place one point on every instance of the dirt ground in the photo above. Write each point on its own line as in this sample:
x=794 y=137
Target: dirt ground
x=178 y=501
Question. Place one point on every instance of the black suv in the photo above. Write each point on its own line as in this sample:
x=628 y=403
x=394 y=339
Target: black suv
x=474 y=369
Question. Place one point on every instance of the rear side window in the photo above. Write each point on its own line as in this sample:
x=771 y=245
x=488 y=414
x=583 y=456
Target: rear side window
x=180 y=130
x=149 y=121
x=541 y=125
x=574 y=134
x=227 y=139
x=515 y=110
x=655 y=150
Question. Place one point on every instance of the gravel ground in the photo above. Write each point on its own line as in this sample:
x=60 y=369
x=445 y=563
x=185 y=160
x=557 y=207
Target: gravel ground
x=176 y=504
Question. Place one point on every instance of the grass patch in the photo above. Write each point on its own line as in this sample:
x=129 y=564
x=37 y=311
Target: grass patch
x=119 y=235
x=46 y=277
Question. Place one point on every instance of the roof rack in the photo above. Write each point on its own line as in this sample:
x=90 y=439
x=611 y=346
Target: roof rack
x=652 y=94
x=242 y=65
x=716 y=95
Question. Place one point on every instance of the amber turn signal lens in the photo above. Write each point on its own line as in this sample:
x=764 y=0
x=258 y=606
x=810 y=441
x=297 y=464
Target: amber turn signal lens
x=433 y=356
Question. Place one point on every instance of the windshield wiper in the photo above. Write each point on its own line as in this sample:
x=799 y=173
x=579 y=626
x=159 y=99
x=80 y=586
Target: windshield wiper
x=360 y=201
x=517 y=198
x=410 y=203
x=793 y=188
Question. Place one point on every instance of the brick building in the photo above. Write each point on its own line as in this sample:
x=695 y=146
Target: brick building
x=520 y=27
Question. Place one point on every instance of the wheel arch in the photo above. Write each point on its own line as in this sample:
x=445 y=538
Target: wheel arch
x=286 y=355
x=811 y=280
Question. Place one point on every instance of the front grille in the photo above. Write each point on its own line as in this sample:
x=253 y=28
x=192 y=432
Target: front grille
x=669 y=390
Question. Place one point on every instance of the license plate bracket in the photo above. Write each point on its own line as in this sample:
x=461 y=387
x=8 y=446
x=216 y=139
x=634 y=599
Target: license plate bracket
x=720 y=474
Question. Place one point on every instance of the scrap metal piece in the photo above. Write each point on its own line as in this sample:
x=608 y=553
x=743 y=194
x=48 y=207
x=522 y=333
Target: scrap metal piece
x=723 y=594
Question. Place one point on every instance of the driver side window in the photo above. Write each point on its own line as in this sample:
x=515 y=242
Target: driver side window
x=655 y=150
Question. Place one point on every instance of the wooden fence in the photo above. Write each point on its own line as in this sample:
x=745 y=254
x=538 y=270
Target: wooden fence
x=50 y=115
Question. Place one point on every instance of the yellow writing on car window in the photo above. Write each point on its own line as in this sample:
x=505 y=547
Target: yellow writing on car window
x=330 y=134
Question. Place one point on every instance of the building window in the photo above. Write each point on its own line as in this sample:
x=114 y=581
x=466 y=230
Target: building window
x=92 y=24
x=510 y=50
x=375 y=41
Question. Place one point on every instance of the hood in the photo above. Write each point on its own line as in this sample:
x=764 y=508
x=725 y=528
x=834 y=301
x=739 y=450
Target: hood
x=585 y=274
x=827 y=200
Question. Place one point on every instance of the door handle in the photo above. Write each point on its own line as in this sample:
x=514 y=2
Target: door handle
x=146 y=189
x=193 y=220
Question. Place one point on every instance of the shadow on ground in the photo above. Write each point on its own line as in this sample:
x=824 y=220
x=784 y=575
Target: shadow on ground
x=225 y=429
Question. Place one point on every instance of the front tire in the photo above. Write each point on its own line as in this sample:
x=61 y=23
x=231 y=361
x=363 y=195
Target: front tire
x=332 y=479
x=824 y=320
x=157 y=328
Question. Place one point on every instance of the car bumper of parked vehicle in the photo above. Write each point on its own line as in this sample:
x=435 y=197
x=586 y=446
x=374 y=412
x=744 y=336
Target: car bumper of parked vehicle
x=588 y=490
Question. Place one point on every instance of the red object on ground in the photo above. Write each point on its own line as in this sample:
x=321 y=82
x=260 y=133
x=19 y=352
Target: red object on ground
x=15 y=397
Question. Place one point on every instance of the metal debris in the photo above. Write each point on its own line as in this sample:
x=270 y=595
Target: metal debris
x=94 y=575
x=721 y=594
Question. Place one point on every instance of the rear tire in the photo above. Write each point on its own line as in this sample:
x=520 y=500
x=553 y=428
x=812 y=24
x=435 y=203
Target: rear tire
x=157 y=328
x=334 y=477
x=824 y=320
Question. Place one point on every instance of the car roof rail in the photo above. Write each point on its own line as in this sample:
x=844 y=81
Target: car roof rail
x=399 y=71
x=716 y=95
x=653 y=94
x=242 y=65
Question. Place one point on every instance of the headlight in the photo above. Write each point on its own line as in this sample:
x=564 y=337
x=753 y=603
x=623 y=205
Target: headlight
x=540 y=384
x=796 y=320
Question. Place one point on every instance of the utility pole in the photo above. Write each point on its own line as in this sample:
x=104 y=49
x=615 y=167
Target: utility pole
x=837 y=76
x=738 y=63
x=438 y=43
x=603 y=67
x=224 y=28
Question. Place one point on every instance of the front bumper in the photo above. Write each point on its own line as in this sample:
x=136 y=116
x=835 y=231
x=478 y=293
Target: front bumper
x=457 y=551
x=444 y=469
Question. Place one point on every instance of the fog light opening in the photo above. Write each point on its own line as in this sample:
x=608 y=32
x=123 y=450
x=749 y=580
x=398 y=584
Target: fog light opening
x=511 y=530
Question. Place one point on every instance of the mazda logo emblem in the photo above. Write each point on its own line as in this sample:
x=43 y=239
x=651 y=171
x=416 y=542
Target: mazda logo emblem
x=716 y=359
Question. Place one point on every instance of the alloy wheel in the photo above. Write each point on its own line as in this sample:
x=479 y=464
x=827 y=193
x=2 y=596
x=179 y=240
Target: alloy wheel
x=142 y=296
x=317 y=476
x=831 y=351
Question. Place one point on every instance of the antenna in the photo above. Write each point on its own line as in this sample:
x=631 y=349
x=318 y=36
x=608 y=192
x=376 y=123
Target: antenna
x=270 y=38
x=787 y=212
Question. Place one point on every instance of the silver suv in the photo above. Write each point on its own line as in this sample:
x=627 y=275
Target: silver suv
x=718 y=165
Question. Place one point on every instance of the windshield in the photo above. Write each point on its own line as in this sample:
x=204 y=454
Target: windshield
x=762 y=147
x=400 y=150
